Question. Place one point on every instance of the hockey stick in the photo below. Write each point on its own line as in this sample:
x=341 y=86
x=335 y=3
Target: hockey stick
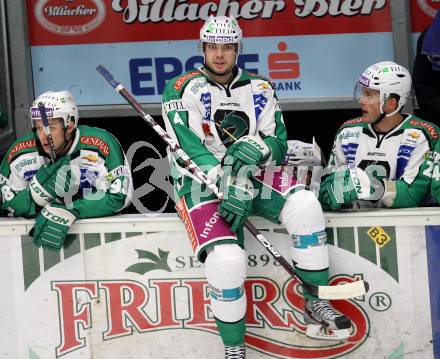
x=42 y=109
x=344 y=291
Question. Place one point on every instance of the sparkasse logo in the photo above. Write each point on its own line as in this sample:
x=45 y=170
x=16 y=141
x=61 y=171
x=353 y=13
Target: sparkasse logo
x=65 y=17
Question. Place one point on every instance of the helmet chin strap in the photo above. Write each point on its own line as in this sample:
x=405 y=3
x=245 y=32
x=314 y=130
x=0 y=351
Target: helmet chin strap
x=67 y=141
x=384 y=114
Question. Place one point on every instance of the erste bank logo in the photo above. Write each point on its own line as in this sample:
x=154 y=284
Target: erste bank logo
x=429 y=7
x=68 y=17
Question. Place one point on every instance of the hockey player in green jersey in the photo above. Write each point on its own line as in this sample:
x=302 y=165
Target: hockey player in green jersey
x=229 y=122
x=379 y=159
x=90 y=176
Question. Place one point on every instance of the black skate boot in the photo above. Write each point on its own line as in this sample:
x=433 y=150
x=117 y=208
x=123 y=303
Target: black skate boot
x=325 y=322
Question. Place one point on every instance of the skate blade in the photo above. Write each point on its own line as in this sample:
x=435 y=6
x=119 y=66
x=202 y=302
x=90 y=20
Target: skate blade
x=317 y=331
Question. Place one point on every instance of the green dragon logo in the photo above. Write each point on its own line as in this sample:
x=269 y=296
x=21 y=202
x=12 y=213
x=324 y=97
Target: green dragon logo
x=231 y=125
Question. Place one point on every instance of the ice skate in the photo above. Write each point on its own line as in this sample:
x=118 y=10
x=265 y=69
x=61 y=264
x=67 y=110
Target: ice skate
x=325 y=322
x=238 y=352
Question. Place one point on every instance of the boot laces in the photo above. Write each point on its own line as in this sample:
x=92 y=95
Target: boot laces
x=235 y=352
x=324 y=309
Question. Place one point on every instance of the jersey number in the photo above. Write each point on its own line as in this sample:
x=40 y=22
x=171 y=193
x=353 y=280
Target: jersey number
x=432 y=171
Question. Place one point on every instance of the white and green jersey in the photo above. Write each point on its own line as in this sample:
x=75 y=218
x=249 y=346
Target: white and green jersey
x=105 y=185
x=399 y=156
x=206 y=118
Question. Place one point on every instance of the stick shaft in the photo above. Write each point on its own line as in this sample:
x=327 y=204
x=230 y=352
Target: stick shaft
x=44 y=119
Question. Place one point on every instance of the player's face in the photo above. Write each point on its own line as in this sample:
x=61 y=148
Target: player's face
x=369 y=101
x=220 y=58
x=56 y=126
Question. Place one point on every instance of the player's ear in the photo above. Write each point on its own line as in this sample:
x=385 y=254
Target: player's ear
x=70 y=127
x=391 y=104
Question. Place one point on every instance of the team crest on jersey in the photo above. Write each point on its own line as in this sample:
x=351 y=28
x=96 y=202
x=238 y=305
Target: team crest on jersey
x=231 y=125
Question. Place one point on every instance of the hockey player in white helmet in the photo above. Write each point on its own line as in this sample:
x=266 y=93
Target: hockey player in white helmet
x=69 y=172
x=380 y=159
x=229 y=122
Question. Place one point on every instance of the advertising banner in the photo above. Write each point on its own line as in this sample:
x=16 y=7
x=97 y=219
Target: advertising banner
x=144 y=294
x=309 y=49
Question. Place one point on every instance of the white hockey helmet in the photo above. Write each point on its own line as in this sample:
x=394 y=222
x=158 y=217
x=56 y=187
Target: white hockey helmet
x=388 y=78
x=59 y=104
x=221 y=30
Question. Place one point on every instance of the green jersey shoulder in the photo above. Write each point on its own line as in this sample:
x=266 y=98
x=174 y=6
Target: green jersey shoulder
x=177 y=85
x=23 y=144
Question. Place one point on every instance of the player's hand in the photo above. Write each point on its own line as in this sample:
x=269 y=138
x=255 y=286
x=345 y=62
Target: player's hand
x=327 y=194
x=345 y=186
x=237 y=203
x=51 y=181
x=51 y=226
x=247 y=151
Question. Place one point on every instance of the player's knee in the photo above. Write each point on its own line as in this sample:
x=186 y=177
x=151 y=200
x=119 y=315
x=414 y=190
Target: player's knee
x=302 y=213
x=225 y=269
x=226 y=264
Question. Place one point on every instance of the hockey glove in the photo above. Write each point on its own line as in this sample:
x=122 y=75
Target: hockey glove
x=247 y=151
x=17 y=202
x=345 y=186
x=51 y=226
x=51 y=181
x=237 y=203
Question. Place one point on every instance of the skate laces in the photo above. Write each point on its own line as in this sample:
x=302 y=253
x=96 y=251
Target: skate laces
x=324 y=309
x=235 y=352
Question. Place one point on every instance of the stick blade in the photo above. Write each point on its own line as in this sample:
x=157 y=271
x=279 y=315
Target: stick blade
x=343 y=291
x=107 y=75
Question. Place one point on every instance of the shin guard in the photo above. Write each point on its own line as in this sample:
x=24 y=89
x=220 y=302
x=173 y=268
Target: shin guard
x=304 y=220
x=225 y=269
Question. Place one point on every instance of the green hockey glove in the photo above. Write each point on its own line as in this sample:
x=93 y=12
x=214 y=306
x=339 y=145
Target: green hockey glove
x=237 y=203
x=51 y=226
x=247 y=151
x=51 y=181
x=345 y=186
x=17 y=202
